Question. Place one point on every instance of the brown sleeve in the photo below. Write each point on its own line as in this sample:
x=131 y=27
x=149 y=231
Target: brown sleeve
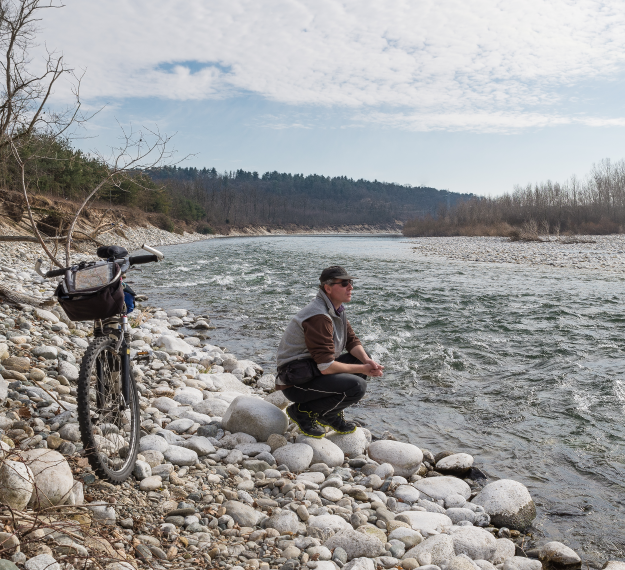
x=318 y=332
x=352 y=339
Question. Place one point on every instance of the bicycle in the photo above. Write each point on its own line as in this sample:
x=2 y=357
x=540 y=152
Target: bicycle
x=108 y=410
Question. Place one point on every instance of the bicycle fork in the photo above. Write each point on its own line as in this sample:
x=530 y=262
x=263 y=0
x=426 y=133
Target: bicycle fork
x=124 y=347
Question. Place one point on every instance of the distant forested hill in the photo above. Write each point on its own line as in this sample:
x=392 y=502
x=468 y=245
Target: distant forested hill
x=241 y=198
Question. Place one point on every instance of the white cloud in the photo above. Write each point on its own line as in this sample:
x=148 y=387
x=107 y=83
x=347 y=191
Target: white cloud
x=449 y=64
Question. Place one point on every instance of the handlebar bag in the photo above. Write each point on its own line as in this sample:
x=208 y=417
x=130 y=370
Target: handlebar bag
x=91 y=291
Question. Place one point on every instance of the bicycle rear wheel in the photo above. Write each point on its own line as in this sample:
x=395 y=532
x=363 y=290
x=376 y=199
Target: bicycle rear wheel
x=109 y=425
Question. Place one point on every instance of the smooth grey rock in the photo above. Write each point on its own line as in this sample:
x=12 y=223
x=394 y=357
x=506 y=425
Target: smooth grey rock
x=70 y=432
x=170 y=437
x=164 y=404
x=356 y=544
x=404 y=457
x=409 y=537
x=324 y=451
x=173 y=345
x=460 y=515
x=558 y=553
x=485 y=565
x=42 y=562
x=423 y=520
x=505 y=549
x=334 y=523
x=441 y=487
x=213 y=407
x=456 y=464
x=153 y=457
x=154 y=442
x=508 y=503
x=285 y=521
x=352 y=444
x=407 y=493
x=196 y=417
x=455 y=501
x=296 y=457
x=48 y=352
x=180 y=455
x=16 y=484
x=142 y=470
x=189 y=397
x=226 y=382
x=151 y=483
x=243 y=514
x=53 y=477
x=439 y=547
x=522 y=563
x=201 y=445
x=360 y=564
x=255 y=417
x=475 y=542
x=253 y=449
x=68 y=370
x=180 y=426
x=461 y=562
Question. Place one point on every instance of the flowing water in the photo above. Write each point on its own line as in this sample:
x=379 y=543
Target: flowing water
x=522 y=367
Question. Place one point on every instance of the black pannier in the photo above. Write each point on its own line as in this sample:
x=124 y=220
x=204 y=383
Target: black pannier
x=114 y=251
x=91 y=291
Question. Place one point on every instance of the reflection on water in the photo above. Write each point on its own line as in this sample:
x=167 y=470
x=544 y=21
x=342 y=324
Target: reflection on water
x=522 y=367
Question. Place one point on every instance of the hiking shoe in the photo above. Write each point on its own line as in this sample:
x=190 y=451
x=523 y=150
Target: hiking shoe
x=305 y=421
x=337 y=422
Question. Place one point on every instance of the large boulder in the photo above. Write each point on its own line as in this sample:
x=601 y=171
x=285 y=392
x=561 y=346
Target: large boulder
x=356 y=544
x=296 y=456
x=324 y=451
x=255 y=417
x=475 y=542
x=352 y=444
x=404 y=457
x=243 y=514
x=52 y=475
x=422 y=520
x=173 y=345
x=17 y=484
x=439 y=547
x=442 y=487
x=508 y=503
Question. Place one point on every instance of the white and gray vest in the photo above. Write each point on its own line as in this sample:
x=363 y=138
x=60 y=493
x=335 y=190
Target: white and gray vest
x=293 y=346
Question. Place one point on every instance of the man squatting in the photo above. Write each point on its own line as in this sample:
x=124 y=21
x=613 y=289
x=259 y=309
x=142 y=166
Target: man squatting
x=313 y=372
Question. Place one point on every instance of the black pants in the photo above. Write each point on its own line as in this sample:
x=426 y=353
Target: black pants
x=331 y=392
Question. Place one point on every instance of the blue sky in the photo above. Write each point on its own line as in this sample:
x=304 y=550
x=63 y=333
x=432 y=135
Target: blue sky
x=471 y=97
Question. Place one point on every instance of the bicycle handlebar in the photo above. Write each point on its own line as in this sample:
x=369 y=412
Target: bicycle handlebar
x=56 y=272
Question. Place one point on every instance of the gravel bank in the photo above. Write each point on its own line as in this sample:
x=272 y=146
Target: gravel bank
x=223 y=480
x=604 y=253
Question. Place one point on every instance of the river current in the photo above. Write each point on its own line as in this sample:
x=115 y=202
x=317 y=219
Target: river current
x=522 y=367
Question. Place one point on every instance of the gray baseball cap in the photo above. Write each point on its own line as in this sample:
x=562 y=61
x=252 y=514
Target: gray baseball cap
x=335 y=272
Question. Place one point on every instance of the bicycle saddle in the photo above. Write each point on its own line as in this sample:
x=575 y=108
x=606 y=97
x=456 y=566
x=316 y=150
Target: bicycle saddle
x=114 y=251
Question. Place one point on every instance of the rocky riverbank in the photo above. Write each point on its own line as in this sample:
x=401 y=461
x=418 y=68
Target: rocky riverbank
x=223 y=480
x=596 y=253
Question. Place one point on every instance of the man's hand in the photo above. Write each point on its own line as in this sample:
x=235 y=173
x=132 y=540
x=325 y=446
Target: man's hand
x=375 y=369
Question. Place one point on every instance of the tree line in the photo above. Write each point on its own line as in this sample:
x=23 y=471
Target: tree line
x=241 y=198
x=594 y=205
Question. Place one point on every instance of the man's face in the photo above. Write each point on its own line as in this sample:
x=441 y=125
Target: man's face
x=339 y=294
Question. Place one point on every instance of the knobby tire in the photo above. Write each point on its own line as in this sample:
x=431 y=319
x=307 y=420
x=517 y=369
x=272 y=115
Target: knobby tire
x=108 y=395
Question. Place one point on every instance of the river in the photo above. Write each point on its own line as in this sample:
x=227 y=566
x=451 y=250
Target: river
x=520 y=366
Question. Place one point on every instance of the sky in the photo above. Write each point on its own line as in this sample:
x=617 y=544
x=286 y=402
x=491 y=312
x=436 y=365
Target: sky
x=466 y=96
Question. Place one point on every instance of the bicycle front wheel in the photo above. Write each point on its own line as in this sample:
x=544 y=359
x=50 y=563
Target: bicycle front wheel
x=109 y=425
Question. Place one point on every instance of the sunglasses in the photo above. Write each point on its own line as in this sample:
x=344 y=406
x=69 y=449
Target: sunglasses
x=344 y=283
